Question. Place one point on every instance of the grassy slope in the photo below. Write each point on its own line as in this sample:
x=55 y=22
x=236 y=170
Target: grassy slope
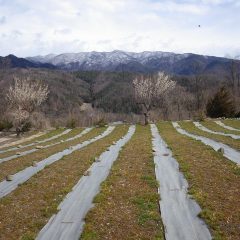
x=26 y=210
x=232 y=123
x=217 y=128
x=63 y=137
x=127 y=206
x=42 y=137
x=189 y=126
x=15 y=165
x=214 y=182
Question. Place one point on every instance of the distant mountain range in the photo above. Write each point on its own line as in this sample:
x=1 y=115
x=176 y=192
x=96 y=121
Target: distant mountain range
x=12 y=61
x=181 y=64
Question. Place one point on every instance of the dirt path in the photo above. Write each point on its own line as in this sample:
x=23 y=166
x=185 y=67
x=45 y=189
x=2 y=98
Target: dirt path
x=179 y=212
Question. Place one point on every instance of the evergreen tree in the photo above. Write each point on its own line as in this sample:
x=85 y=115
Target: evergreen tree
x=221 y=105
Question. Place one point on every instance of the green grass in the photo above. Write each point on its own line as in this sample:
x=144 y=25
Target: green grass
x=217 y=128
x=232 y=123
x=42 y=137
x=27 y=209
x=213 y=182
x=127 y=205
x=190 y=127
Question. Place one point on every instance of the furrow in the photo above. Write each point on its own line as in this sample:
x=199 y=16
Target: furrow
x=68 y=222
x=8 y=186
x=228 y=152
x=179 y=212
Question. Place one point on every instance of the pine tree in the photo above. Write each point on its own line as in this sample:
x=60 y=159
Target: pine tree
x=221 y=105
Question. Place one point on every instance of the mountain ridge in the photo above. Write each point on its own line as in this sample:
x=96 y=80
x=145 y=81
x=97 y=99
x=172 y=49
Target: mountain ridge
x=11 y=61
x=146 y=61
x=119 y=61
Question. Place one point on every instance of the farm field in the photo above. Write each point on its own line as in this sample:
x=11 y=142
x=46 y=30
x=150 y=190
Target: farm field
x=123 y=182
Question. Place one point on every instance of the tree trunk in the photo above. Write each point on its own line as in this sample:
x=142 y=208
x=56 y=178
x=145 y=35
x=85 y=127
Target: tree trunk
x=18 y=131
x=145 y=118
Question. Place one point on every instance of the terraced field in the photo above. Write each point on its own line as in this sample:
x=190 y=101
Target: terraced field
x=164 y=181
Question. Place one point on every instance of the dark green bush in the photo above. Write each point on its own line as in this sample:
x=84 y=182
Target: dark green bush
x=221 y=105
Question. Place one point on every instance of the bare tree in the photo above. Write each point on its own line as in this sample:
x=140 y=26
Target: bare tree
x=148 y=90
x=23 y=97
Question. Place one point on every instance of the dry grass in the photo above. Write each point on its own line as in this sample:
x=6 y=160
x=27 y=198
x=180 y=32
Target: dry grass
x=214 y=181
x=26 y=210
x=63 y=137
x=232 y=123
x=127 y=206
x=189 y=126
x=217 y=128
x=42 y=137
x=16 y=165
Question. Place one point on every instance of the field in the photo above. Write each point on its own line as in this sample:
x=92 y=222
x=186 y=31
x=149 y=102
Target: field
x=161 y=181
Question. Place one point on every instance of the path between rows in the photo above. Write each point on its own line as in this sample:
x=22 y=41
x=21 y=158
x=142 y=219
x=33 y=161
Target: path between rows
x=68 y=222
x=43 y=147
x=179 y=212
x=37 y=142
x=201 y=127
x=226 y=126
x=8 y=186
x=229 y=152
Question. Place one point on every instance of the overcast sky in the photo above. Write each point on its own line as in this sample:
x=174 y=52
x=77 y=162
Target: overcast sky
x=39 y=27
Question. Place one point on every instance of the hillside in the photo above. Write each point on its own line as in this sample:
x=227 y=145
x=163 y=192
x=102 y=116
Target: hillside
x=12 y=61
x=67 y=92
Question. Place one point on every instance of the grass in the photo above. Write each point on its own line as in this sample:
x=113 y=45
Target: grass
x=189 y=126
x=42 y=137
x=27 y=209
x=63 y=137
x=127 y=205
x=232 y=123
x=214 y=182
x=18 y=164
x=217 y=128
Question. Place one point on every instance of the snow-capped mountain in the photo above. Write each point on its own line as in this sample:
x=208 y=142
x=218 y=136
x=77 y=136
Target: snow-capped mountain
x=134 y=62
x=106 y=60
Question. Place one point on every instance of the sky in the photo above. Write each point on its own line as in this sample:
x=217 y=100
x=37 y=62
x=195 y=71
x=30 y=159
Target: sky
x=40 y=27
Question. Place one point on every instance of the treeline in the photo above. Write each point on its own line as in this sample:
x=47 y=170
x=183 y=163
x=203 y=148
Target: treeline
x=111 y=94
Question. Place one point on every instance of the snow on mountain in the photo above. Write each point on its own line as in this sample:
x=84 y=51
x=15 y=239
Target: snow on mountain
x=146 y=61
x=105 y=58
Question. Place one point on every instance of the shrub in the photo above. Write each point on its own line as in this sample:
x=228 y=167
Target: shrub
x=101 y=122
x=71 y=123
x=26 y=127
x=200 y=117
x=221 y=105
x=5 y=125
